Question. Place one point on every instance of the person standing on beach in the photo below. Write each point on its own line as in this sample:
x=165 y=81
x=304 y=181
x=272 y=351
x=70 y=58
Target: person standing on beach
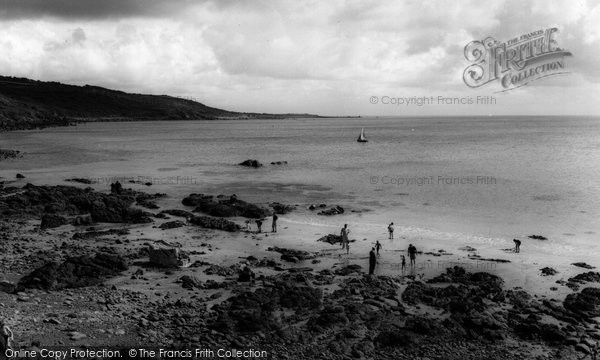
x=259 y=224
x=517 y=245
x=274 y=224
x=377 y=247
x=372 y=261
x=391 y=231
x=403 y=263
x=347 y=248
x=412 y=254
x=344 y=235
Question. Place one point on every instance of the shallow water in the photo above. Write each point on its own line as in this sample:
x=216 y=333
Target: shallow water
x=480 y=180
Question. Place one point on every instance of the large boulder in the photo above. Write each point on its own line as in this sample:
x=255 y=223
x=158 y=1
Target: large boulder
x=167 y=257
x=52 y=221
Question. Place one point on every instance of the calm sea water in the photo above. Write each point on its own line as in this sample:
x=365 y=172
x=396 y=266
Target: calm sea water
x=496 y=178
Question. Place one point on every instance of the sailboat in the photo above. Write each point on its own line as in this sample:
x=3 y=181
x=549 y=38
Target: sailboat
x=361 y=137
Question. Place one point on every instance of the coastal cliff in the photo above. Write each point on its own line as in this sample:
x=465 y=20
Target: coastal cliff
x=30 y=104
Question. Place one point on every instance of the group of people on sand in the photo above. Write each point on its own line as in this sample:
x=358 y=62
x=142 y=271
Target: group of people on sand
x=259 y=223
x=374 y=253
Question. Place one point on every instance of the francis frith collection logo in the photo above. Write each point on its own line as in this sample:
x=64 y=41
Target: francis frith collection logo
x=516 y=62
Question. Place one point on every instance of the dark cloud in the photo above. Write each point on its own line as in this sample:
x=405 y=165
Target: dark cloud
x=90 y=9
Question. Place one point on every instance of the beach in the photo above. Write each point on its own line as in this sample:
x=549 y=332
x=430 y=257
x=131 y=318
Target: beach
x=457 y=215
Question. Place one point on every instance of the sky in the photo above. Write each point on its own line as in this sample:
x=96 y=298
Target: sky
x=335 y=57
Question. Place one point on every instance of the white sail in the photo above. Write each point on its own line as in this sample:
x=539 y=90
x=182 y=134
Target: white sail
x=361 y=137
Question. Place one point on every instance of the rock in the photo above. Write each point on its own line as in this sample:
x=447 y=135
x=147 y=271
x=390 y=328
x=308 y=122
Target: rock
x=393 y=338
x=583 y=265
x=35 y=201
x=537 y=237
x=222 y=270
x=548 y=271
x=279 y=163
x=171 y=225
x=331 y=239
x=74 y=335
x=582 y=348
x=52 y=221
x=246 y=275
x=251 y=163
x=282 y=209
x=349 y=269
x=467 y=248
x=74 y=272
x=20 y=176
x=94 y=234
x=82 y=221
x=585 y=277
x=336 y=210
x=166 y=257
x=7 y=287
x=189 y=282
x=586 y=303
x=292 y=255
x=225 y=207
x=214 y=223
x=9 y=154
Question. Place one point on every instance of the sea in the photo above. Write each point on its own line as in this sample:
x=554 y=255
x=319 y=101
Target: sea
x=477 y=180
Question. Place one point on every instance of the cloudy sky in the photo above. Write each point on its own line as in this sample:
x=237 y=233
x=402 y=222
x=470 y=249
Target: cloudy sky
x=326 y=57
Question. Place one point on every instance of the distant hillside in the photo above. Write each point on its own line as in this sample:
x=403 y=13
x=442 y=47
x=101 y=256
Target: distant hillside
x=27 y=104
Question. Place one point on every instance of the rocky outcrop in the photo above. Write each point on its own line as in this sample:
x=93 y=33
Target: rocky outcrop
x=92 y=234
x=255 y=311
x=583 y=265
x=586 y=303
x=336 y=210
x=34 y=201
x=331 y=239
x=225 y=207
x=9 y=154
x=171 y=225
x=251 y=163
x=282 y=209
x=214 y=223
x=74 y=272
x=292 y=255
x=548 y=271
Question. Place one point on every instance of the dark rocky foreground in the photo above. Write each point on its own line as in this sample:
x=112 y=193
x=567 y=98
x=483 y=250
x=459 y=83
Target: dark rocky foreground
x=96 y=287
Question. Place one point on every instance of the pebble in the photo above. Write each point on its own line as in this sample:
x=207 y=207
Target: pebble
x=74 y=335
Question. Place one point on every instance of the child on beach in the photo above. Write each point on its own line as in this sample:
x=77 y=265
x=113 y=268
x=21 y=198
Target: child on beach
x=247 y=225
x=344 y=234
x=347 y=248
x=391 y=230
x=403 y=263
x=259 y=224
x=377 y=247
